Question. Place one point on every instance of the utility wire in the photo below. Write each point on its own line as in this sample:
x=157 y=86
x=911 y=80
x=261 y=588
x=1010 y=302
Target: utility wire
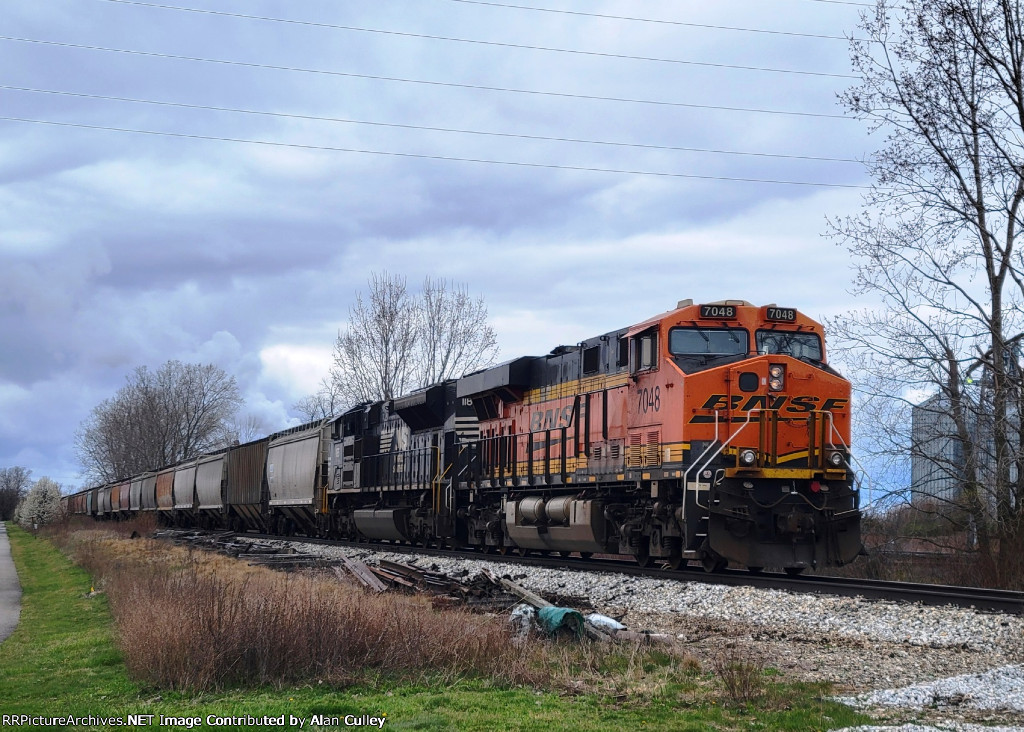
x=499 y=44
x=845 y=2
x=345 y=120
x=511 y=90
x=684 y=24
x=549 y=166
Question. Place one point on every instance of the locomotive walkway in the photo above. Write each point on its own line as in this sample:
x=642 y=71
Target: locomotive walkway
x=10 y=588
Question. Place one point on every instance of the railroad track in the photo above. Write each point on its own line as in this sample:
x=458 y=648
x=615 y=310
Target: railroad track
x=1000 y=601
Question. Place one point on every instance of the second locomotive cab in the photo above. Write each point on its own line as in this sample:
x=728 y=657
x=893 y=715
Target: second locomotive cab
x=715 y=433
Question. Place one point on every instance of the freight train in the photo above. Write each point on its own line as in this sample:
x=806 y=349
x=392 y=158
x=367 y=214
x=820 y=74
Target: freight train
x=712 y=433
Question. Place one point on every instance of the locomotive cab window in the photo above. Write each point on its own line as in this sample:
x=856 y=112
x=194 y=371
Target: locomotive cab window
x=789 y=343
x=708 y=341
x=645 y=351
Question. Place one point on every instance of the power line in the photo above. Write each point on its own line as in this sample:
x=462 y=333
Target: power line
x=510 y=90
x=685 y=24
x=450 y=158
x=845 y=2
x=405 y=34
x=317 y=118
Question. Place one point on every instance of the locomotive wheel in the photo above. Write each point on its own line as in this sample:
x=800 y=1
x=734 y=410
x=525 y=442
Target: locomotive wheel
x=564 y=554
x=755 y=570
x=523 y=552
x=586 y=555
x=644 y=560
x=795 y=571
x=713 y=564
x=505 y=550
x=676 y=562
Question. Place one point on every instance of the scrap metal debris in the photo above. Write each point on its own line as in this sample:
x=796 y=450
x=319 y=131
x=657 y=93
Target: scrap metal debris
x=485 y=592
x=250 y=550
x=481 y=593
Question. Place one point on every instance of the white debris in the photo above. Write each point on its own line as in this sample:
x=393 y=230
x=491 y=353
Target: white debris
x=999 y=690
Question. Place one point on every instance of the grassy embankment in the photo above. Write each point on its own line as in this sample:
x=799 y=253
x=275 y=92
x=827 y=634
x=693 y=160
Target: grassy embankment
x=65 y=659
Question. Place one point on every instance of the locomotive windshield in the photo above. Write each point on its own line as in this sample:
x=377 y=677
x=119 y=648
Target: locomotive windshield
x=790 y=343
x=708 y=341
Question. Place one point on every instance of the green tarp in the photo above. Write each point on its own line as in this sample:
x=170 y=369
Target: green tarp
x=555 y=619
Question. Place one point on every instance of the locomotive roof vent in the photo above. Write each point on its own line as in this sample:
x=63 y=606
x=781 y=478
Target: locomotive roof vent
x=729 y=302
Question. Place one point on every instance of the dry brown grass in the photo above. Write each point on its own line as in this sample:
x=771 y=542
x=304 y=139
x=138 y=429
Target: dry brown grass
x=741 y=673
x=199 y=621
x=189 y=619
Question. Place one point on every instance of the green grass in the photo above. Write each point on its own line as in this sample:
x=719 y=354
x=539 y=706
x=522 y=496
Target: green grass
x=63 y=660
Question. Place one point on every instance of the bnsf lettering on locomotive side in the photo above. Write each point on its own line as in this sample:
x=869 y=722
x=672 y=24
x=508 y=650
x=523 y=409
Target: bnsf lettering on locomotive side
x=551 y=419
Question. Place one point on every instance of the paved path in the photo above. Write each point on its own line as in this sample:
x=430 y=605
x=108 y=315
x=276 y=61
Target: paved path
x=10 y=588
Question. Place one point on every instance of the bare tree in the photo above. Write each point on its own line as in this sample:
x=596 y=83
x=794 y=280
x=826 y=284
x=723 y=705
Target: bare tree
x=327 y=401
x=243 y=428
x=13 y=484
x=454 y=335
x=937 y=245
x=373 y=356
x=396 y=341
x=157 y=418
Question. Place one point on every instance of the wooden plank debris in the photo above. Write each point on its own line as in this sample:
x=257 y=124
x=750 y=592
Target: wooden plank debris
x=361 y=572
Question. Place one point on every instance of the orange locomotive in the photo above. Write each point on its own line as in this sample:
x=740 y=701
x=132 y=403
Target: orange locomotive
x=715 y=432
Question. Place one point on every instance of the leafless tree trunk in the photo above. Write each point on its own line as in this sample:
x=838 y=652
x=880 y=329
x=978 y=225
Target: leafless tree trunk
x=936 y=244
x=158 y=418
x=13 y=485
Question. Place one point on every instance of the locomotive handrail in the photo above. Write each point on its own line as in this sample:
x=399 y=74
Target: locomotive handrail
x=857 y=474
x=437 y=479
x=725 y=444
x=699 y=458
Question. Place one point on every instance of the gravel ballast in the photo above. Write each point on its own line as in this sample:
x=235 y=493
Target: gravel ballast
x=878 y=654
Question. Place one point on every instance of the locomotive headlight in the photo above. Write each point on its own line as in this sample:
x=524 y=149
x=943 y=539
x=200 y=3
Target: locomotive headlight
x=747 y=457
x=776 y=376
x=836 y=459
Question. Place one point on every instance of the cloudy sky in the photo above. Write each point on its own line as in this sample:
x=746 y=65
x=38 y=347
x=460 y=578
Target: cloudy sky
x=213 y=180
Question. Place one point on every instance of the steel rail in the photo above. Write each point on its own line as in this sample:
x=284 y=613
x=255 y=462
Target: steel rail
x=983 y=599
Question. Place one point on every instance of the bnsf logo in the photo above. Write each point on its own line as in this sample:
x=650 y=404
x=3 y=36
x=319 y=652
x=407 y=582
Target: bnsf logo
x=551 y=419
x=795 y=404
